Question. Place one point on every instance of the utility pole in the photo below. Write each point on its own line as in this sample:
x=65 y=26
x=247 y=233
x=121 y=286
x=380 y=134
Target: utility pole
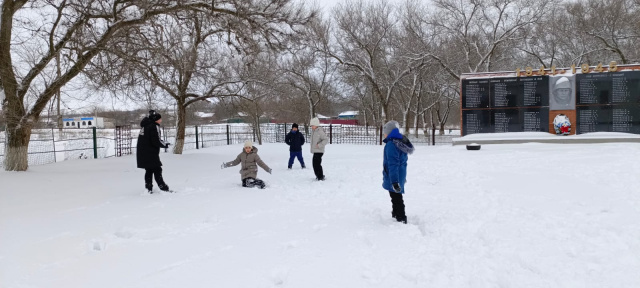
x=58 y=93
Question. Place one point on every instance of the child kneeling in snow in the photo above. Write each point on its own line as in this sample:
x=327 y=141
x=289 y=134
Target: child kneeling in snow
x=250 y=161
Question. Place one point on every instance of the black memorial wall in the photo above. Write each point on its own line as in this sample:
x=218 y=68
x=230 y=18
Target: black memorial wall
x=510 y=104
x=608 y=102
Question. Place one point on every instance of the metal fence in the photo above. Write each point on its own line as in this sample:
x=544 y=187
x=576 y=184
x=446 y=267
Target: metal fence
x=51 y=145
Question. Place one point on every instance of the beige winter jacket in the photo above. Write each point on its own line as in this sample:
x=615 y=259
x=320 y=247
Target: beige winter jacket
x=319 y=140
x=250 y=163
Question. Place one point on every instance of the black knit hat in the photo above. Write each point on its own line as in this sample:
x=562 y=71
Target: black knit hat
x=295 y=125
x=154 y=116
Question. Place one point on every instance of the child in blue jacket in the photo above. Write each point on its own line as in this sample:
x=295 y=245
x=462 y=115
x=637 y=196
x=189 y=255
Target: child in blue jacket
x=295 y=140
x=396 y=151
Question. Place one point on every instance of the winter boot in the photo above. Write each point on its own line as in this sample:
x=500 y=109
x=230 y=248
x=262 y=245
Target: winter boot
x=402 y=219
x=149 y=188
x=259 y=183
x=248 y=182
x=164 y=188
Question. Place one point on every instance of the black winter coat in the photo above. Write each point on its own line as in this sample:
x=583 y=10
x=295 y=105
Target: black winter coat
x=149 y=144
x=295 y=141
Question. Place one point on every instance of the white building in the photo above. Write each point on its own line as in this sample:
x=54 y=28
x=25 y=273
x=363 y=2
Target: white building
x=349 y=115
x=83 y=122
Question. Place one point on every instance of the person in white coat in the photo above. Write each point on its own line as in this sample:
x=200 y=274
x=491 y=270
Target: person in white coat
x=318 y=142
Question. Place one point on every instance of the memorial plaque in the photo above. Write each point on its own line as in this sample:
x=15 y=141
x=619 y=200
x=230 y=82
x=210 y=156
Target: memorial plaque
x=535 y=91
x=609 y=88
x=506 y=120
x=603 y=102
x=593 y=119
x=476 y=121
x=625 y=118
x=534 y=119
x=519 y=92
x=504 y=92
x=475 y=93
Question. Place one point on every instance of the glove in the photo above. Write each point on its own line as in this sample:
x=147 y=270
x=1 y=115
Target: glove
x=167 y=145
x=223 y=166
x=396 y=187
x=269 y=171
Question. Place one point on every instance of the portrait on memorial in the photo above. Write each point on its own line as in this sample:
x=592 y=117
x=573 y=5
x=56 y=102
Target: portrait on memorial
x=563 y=93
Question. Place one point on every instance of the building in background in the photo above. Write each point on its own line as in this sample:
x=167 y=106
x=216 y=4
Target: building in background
x=84 y=122
x=348 y=115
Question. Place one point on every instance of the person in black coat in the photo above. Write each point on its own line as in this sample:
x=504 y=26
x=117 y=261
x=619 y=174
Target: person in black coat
x=148 y=151
x=295 y=140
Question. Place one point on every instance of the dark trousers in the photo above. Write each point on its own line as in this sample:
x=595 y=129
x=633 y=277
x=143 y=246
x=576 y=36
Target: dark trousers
x=293 y=156
x=397 y=204
x=317 y=165
x=153 y=173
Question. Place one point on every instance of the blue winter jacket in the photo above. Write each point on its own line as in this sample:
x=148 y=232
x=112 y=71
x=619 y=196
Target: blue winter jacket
x=396 y=151
x=295 y=140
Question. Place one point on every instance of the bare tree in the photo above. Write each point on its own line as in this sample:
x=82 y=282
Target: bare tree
x=34 y=33
x=474 y=35
x=186 y=54
x=365 y=37
x=177 y=53
x=254 y=96
x=310 y=72
x=613 y=24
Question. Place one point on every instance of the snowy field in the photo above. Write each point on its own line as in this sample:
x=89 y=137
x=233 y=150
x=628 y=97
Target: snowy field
x=530 y=215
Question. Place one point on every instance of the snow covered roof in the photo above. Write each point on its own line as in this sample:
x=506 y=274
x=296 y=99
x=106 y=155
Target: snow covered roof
x=320 y=116
x=204 y=114
x=349 y=113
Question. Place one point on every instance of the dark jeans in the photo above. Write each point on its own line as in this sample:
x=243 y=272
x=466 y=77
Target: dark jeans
x=153 y=173
x=293 y=156
x=397 y=204
x=317 y=165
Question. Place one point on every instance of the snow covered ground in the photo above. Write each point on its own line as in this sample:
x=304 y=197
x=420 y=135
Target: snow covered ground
x=531 y=215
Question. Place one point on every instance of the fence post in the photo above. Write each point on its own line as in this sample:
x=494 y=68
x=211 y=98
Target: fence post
x=197 y=143
x=330 y=133
x=95 y=144
x=228 y=139
x=433 y=136
x=164 y=132
x=53 y=136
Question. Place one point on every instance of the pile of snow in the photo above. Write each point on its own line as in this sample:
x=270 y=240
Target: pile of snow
x=499 y=217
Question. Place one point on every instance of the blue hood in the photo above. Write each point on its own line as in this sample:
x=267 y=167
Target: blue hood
x=395 y=134
x=400 y=141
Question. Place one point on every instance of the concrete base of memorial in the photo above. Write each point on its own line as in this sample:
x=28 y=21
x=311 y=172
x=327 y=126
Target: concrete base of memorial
x=543 y=137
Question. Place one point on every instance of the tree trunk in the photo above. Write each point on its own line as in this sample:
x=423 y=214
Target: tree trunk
x=385 y=110
x=16 y=156
x=405 y=121
x=415 y=124
x=312 y=108
x=181 y=124
x=258 y=131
